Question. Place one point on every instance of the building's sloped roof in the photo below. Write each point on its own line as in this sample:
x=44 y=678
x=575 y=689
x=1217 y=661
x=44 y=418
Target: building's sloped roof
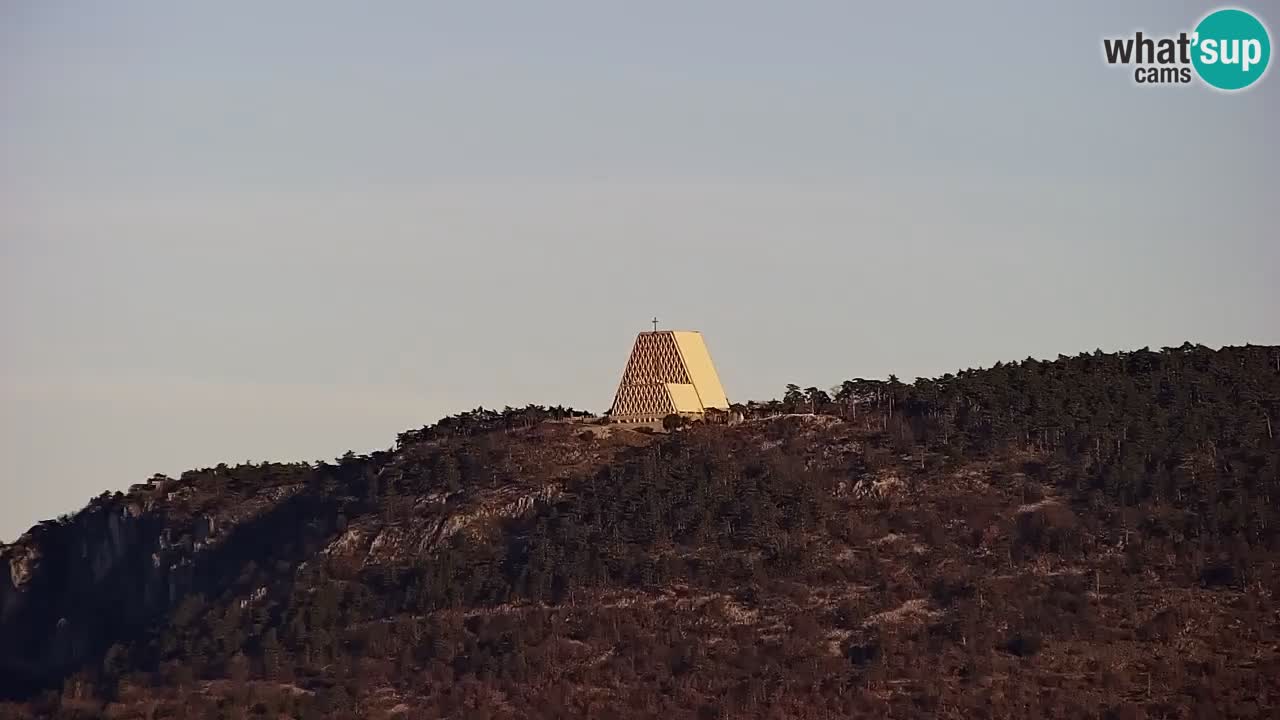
x=697 y=361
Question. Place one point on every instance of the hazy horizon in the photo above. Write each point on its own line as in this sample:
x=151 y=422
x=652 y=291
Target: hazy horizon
x=278 y=233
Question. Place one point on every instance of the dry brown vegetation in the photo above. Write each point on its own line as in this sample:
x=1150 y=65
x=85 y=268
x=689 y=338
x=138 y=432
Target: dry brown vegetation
x=897 y=561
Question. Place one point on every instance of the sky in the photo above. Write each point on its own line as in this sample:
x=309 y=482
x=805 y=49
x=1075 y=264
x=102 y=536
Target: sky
x=245 y=231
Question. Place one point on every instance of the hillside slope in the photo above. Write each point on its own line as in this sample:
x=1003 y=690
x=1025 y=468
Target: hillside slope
x=1091 y=536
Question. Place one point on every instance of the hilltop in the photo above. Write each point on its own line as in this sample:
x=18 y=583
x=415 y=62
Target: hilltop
x=1094 y=536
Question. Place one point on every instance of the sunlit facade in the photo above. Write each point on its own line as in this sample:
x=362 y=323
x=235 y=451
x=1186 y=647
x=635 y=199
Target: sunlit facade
x=669 y=373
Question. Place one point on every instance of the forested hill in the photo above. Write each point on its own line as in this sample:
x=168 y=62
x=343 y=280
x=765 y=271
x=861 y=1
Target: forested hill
x=1094 y=536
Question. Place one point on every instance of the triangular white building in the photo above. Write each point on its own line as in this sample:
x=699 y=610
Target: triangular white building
x=669 y=373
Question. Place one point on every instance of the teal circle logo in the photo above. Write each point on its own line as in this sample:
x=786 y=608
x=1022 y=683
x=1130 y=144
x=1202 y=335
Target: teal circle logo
x=1231 y=49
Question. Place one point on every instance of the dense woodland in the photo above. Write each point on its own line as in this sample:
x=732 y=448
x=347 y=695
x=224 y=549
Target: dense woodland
x=1094 y=536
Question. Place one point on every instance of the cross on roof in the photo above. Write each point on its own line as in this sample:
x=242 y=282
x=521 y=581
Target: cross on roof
x=655 y=323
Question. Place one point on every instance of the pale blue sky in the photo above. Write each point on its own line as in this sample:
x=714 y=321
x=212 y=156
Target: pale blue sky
x=247 y=231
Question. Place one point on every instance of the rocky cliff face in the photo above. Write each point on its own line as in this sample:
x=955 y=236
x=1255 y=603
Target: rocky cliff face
x=50 y=606
x=73 y=587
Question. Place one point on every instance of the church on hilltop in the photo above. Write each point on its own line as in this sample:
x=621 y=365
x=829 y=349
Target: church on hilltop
x=669 y=373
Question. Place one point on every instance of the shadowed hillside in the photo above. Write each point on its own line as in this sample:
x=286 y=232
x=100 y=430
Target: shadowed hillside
x=1094 y=536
